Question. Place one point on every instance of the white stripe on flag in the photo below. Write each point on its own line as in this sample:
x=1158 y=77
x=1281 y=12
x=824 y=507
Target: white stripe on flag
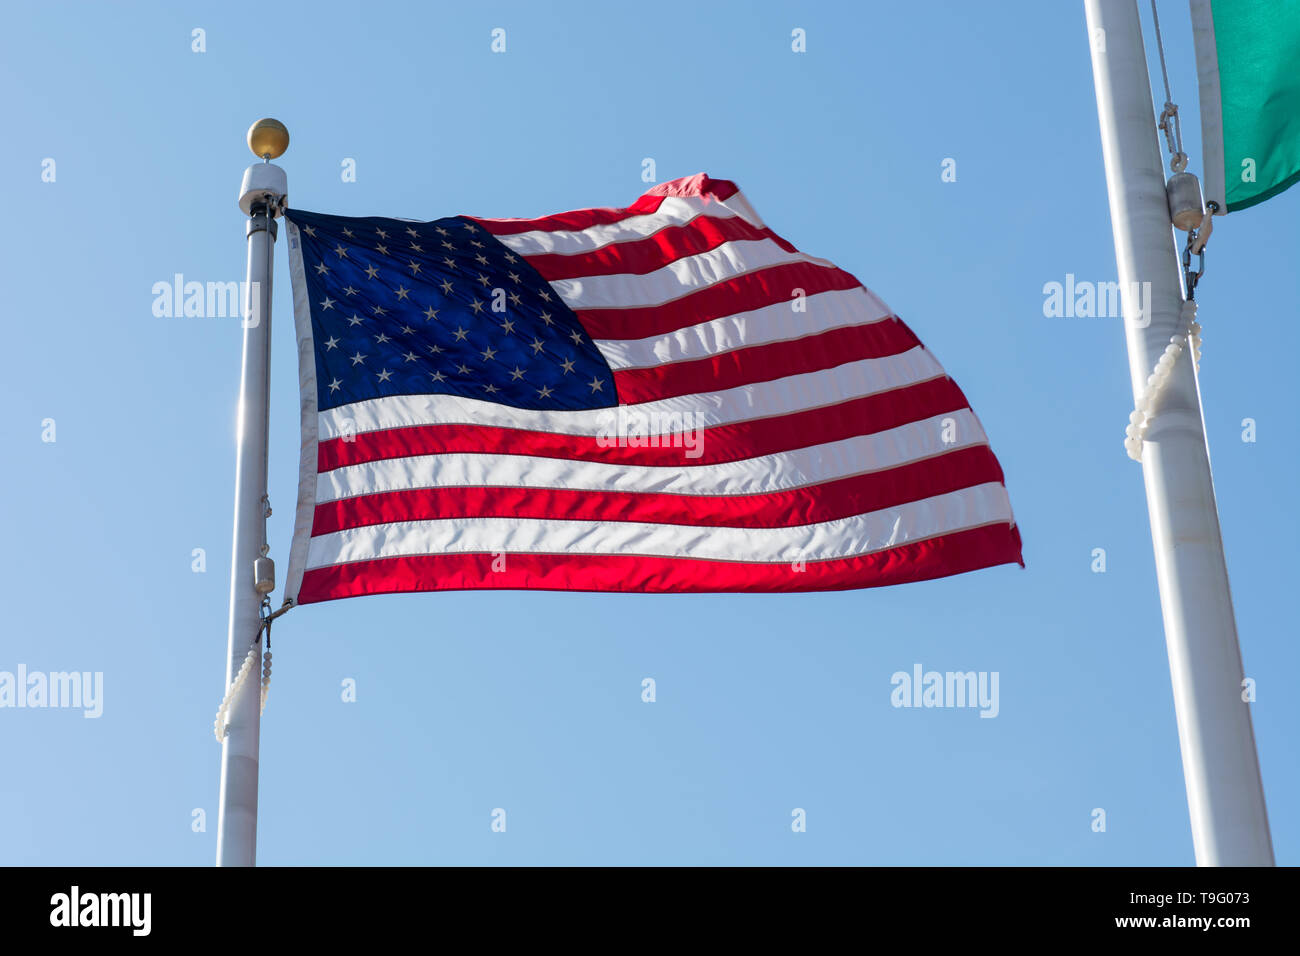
x=679 y=278
x=773 y=323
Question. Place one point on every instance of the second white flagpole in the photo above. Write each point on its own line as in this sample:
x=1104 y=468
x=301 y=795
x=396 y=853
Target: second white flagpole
x=1225 y=795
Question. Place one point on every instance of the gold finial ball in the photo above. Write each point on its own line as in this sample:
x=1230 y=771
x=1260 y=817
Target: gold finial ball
x=268 y=138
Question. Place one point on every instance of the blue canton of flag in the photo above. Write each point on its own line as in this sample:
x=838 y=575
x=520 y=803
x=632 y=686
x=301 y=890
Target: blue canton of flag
x=411 y=308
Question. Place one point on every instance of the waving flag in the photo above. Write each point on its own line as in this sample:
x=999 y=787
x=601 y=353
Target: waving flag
x=667 y=397
x=1248 y=64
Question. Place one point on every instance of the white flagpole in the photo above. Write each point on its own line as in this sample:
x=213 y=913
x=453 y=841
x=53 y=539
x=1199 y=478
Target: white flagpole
x=260 y=197
x=1225 y=796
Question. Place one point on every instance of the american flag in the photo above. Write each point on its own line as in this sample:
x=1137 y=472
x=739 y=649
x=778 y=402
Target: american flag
x=666 y=397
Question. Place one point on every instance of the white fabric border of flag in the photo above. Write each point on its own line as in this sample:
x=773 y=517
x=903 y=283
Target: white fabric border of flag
x=1207 y=76
x=308 y=457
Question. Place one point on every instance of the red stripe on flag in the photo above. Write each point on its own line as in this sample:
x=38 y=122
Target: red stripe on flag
x=762 y=363
x=575 y=220
x=701 y=184
x=763 y=436
x=698 y=185
x=918 y=561
x=742 y=293
x=828 y=501
x=641 y=256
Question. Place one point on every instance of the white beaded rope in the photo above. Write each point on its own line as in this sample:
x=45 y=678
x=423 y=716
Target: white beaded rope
x=220 y=724
x=1140 y=418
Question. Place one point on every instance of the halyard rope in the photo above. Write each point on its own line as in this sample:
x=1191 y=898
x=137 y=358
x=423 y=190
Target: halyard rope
x=1174 y=137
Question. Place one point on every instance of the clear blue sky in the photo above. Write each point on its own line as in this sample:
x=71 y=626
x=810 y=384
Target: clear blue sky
x=532 y=702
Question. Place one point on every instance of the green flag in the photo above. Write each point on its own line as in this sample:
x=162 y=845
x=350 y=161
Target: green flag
x=1248 y=62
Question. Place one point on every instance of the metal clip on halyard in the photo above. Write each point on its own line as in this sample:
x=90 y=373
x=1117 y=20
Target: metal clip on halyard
x=266 y=616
